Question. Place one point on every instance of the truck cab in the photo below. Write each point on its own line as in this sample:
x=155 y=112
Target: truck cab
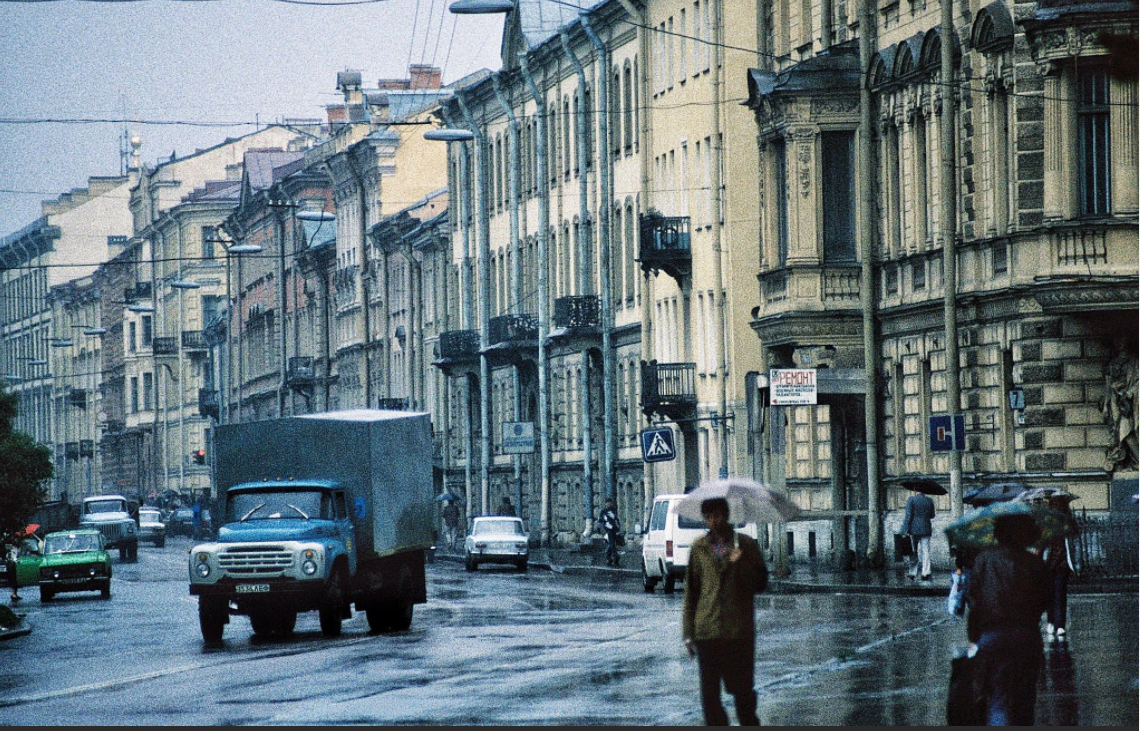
x=111 y=516
x=281 y=549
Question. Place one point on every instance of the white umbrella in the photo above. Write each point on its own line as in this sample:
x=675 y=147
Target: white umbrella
x=748 y=501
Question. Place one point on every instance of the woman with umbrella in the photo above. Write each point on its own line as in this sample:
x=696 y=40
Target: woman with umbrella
x=1058 y=556
x=1007 y=594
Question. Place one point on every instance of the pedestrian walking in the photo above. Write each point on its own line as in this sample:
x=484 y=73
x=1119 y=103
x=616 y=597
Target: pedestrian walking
x=11 y=553
x=451 y=523
x=611 y=527
x=1058 y=557
x=916 y=524
x=725 y=572
x=1008 y=592
x=506 y=508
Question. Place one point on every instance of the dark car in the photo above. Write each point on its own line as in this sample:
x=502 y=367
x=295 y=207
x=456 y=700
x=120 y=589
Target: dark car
x=180 y=522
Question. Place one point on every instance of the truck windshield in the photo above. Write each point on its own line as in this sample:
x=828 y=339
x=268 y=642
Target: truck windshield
x=267 y=505
x=105 y=506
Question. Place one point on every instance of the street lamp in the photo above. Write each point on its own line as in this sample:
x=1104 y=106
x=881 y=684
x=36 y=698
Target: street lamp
x=481 y=7
x=238 y=250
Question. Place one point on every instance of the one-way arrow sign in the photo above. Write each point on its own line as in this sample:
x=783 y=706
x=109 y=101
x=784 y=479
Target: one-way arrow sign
x=657 y=445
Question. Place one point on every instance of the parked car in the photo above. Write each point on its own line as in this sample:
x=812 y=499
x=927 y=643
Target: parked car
x=668 y=539
x=29 y=554
x=497 y=540
x=151 y=527
x=75 y=560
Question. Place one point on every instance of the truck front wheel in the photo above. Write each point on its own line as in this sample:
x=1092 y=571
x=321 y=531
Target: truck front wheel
x=331 y=609
x=212 y=618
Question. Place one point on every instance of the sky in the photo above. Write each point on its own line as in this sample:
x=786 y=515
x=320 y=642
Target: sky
x=194 y=65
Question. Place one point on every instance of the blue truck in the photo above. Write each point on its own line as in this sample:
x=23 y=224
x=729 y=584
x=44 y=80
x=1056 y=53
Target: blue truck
x=321 y=513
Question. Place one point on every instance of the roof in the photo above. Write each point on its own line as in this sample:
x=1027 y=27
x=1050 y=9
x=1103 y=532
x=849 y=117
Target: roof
x=540 y=20
x=215 y=190
x=836 y=70
x=264 y=167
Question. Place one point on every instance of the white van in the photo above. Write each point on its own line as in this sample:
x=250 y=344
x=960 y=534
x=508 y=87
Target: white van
x=665 y=548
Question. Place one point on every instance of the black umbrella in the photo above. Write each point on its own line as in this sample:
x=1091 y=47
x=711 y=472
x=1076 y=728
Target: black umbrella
x=925 y=486
x=997 y=493
x=444 y=497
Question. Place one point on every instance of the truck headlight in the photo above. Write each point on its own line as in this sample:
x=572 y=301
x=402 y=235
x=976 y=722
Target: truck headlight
x=203 y=569
x=309 y=567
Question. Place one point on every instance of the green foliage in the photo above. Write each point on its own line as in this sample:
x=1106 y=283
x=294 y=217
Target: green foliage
x=24 y=465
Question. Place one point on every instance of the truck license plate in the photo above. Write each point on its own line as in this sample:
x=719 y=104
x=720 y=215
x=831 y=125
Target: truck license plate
x=252 y=588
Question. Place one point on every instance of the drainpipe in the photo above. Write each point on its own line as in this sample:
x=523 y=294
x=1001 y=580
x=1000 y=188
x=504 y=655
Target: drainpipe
x=867 y=289
x=645 y=154
x=543 y=294
x=719 y=335
x=516 y=254
x=484 y=236
x=950 y=248
x=466 y=314
x=365 y=277
x=605 y=196
x=583 y=289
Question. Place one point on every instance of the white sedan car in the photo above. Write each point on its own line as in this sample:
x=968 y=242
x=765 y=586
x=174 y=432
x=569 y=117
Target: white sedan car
x=151 y=527
x=497 y=540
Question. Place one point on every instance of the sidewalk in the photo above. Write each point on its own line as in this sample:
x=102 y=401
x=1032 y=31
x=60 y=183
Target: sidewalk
x=804 y=578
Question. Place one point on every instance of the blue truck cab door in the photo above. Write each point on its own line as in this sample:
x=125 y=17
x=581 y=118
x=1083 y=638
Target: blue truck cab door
x=345 y=529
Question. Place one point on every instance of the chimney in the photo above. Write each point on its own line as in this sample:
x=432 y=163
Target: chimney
x=424 y=76
x=348 y=83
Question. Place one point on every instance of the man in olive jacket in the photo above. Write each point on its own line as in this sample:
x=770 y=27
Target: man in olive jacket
x=725 y=572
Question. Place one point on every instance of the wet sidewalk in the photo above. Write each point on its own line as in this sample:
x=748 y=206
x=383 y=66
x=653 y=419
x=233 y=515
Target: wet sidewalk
x=804 y=578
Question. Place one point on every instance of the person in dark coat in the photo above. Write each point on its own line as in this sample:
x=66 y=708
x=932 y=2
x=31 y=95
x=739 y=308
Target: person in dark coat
x=506 y=508
x=1008 y=592
x=725 y=572
x=1058 y=557
x=611 y=526
x=917 y=524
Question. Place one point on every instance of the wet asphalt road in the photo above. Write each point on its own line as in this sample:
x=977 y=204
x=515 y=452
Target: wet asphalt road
x=504 y=648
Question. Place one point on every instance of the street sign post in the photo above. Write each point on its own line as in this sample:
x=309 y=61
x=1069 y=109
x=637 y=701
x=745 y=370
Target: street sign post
x=657 y=445
x=948 y=433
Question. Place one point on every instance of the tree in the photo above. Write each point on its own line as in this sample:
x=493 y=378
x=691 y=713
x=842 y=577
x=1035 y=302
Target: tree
x=24 y=465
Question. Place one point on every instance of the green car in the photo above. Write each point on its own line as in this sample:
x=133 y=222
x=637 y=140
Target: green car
x=31 y=551
x=75 y=560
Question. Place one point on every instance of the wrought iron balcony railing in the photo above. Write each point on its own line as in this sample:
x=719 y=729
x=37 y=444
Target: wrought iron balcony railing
x=392 y=404
x=164 y=346
x=301 y=371
x=512 y=329
x=459 y=344
x=578 y=311
x=193 y=340
x=668 y=388
x=665 y=245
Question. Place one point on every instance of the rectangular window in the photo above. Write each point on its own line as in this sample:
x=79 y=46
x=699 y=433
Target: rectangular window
x=918 y=274
x=891 y=284
x=1000 y=259
x=147 y=331
x=207 y=243
x=780 y=159
x=1092 y=142
x=148 y=391
x=134 y=394
x=132 y=337
x=684 y=60
x=838 y=196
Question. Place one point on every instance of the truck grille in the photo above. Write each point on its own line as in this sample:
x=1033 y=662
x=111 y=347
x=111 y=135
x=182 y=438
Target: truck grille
x=113 y=532
x=255 y=561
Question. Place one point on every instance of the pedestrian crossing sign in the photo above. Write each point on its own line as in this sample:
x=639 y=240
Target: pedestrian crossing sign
x=657 y=445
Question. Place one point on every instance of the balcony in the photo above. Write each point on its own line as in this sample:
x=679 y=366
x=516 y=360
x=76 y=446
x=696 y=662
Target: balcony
x=512 y=330
x=77 y=397
x=669 y=389
x=458 y=345
x=392 y=404
x=665 y=245
x=140 y=291
x=301 y=372
x=194 y=340
x=578 y=312
x=208 y=402
x=164 y=346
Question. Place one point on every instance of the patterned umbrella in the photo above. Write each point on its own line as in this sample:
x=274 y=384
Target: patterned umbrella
x=976 y=528
x=999 y=492
x=748 y=501
x=1045 y=494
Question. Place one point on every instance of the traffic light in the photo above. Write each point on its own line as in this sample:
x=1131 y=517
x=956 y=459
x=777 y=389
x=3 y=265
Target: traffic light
x=200 y=456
